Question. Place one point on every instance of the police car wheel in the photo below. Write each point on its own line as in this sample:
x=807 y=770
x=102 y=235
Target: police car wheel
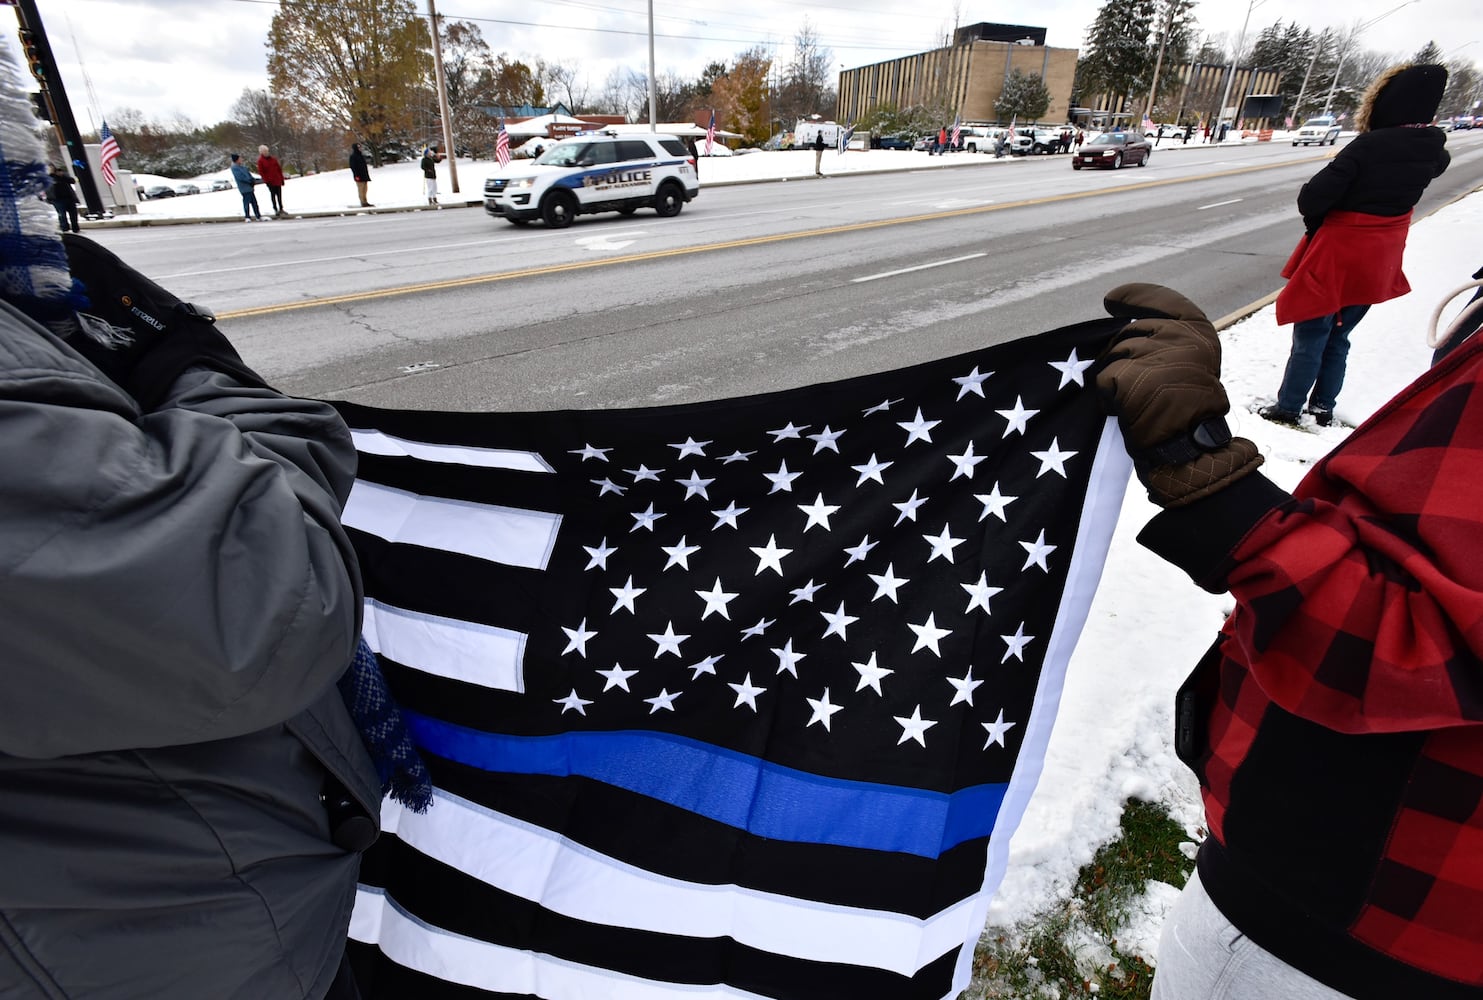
x=669 y=201
x=558 y=210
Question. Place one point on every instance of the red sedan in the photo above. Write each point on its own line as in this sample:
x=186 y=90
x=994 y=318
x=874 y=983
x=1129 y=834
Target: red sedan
x=1113 y=149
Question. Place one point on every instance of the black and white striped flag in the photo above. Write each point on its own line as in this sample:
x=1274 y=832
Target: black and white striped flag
x=737 y=699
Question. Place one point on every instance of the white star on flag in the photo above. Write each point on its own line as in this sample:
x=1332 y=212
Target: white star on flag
x=826 y=438
x=818 y=513
x=679 y=555
x=644 y=519
x=572 y=702
x=1018 y=417
x=887 y=583
x=788 y=658
x=928 y=635
x=871 y=470
x=1071 y=371
x=663 y=700
x=746 y=693
x=871 y=675
x=994 y=503
x=996 y=730
x=770 y=556
x=588 y=451
x=782 y=479
x=695 y=486
x=1036 y=552
x=914 y=728
x=577 y=639
x=788 y=432
x=972 y=382
x=1016 y=644
x=823 y=710
x=838 y=622
x=599 y=555
x=805 y=592
x=942 y=545
x=963 y=688
x=729 y=514
x=624 y=596
x=691 y=447
x=918 y=429
x=716 y=600
x=979 y=593
x=1052 y=459
x=616 y=676
x=667 y=641
x=964 y=464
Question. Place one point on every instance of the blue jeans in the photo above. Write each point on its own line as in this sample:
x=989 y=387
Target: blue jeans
x=249 y=203
x=1315 y=368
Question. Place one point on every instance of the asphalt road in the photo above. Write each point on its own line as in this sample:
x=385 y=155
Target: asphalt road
x=751 y=288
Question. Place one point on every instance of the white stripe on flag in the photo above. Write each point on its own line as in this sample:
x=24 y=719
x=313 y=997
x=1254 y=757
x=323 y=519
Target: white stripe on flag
x=380 y=443
x=447 y=647
x=535 y=864
x=485 y=531
x=417 y=945
x=1106 y=487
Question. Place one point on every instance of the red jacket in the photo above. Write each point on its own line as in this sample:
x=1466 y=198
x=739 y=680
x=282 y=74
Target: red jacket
x=1353 y=259
x=1337 y=727
x=270 y=170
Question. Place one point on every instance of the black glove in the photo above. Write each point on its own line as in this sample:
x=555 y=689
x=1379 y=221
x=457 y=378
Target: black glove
x=169 y=335
x=1161 y=377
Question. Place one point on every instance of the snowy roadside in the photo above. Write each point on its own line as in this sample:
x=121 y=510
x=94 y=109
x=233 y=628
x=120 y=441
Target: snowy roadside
x=1149 y=624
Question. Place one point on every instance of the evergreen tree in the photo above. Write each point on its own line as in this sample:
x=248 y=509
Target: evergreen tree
x=1431 y=52
x=1025 y=98
x=1119 y=59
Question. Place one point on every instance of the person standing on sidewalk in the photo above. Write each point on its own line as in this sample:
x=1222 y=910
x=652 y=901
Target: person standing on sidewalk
x=1357 y=211
x=430 y=160
x=360 y=172
x=63 y=198
x=245 y=183
x=271 y=171
x=819 y=154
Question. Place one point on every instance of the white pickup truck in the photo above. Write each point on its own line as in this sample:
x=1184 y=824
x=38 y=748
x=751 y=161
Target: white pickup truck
x=1317 y=131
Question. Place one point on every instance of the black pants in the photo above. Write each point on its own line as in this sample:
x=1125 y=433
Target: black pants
x=64 y=213
x=276 y=193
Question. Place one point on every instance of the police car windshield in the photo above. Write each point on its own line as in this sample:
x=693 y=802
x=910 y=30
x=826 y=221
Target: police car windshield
x=564 y=154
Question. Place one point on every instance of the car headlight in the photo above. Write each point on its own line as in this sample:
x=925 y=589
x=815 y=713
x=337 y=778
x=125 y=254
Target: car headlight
x=522 y=182
x=1109 y=152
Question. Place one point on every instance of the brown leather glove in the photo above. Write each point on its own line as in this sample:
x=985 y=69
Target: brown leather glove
x=1161 y=377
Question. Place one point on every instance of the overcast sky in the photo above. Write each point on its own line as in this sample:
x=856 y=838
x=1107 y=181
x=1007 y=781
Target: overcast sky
x=194 y=57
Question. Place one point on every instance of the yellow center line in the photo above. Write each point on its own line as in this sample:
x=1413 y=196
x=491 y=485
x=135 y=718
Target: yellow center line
x=853 y=227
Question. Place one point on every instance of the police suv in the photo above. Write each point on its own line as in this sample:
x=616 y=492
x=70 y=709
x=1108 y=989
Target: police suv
x=604 y=172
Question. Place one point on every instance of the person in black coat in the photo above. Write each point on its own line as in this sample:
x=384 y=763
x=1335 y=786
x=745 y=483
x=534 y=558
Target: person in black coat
x=63 y=197
x=1356 y=212
x=360 y=172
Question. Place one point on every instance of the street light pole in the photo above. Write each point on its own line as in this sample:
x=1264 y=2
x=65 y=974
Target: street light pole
x=653 y=86
x=1236 y=55
x=1349 y=43
x=1158 y=62
x=442 y=81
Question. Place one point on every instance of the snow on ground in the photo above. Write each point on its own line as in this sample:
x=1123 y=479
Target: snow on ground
x=399 y=185
x=1149 y=623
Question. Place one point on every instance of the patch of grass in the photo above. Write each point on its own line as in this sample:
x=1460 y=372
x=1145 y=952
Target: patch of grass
x=1071 y=951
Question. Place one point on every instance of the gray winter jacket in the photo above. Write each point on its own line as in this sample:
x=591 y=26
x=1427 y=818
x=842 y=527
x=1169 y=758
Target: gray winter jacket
x=177 y=599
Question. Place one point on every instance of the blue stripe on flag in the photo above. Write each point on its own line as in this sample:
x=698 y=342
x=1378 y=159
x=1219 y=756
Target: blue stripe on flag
x=744 y=792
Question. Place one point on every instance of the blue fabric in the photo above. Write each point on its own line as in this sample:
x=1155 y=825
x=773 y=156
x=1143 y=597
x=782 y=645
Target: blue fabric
x=733 y=788
x=1315 y=367
x=384 y=732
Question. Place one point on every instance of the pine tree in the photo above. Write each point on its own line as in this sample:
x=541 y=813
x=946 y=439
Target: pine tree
x=1025 y=98
x=1119 y=59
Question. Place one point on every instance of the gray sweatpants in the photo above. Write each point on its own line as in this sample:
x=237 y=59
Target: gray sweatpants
x=1203 y=957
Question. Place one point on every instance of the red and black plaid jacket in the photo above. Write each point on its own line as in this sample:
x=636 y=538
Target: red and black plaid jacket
x=1337 y=725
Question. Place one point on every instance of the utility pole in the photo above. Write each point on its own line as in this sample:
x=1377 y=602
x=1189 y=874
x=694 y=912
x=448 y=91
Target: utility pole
x=1158 y=62
x=653 y=86
x=1297 y=109
x=1231 y=78
x=432 y=22
x=44 y=68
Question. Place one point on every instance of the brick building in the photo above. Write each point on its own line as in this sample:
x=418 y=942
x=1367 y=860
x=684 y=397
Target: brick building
x=964 y=78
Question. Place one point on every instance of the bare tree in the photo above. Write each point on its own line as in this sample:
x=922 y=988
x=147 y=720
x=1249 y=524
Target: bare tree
x=563 y=81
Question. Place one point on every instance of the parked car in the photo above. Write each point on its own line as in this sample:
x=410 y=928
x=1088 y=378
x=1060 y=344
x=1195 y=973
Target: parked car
x=1017 y=144
x=893 y=142
x=1113 y=149
x=596 y=173
x=1045 y=140
x=159 y=191
x=187 y=189
x=1317 y=131
x=221 y=184
x=1463 y=122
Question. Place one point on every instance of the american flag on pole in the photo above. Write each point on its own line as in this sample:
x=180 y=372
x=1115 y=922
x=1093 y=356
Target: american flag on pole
x=1147 y=125
x=738 y=699
x=107 y=153
x=957 y=135
x=710 y=133
x=502 y=146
